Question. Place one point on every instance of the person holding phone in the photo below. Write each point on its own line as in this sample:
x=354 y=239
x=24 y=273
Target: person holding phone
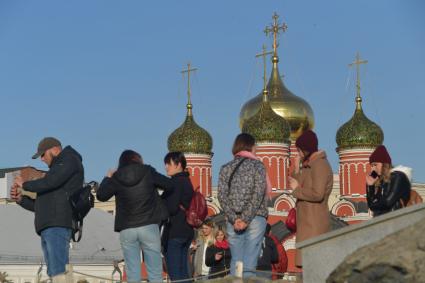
x=387 y=188
x=218 y=255
x=312 y=184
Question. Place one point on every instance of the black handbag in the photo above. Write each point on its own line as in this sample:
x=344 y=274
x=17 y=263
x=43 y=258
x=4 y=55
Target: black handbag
x=161 y=208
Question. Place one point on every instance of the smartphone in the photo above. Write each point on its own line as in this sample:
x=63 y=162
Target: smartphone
x=373 y=174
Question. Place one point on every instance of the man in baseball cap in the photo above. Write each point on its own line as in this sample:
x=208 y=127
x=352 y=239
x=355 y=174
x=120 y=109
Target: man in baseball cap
x=46 y=144
x=53 y=212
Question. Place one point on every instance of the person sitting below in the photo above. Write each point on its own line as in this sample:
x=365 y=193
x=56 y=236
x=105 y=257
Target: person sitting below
x=205 y=238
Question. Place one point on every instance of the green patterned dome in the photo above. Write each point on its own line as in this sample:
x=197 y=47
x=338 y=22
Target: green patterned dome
x=359 y=131
x=190 y=137
x=266 y=125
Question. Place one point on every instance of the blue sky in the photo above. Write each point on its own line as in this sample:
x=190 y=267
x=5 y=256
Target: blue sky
x=104 y=76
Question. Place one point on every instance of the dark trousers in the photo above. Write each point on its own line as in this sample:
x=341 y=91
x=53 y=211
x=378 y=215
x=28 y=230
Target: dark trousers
x=177 y=258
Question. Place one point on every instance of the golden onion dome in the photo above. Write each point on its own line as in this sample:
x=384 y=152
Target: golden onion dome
x=190 y=137
x=266 y=125
x=359 y=131
x=295 y=110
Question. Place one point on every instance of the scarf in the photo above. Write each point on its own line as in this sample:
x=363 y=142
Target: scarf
x=222 y=245
x=251 y=155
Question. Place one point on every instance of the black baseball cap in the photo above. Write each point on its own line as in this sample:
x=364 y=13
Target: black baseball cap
x=46 y=144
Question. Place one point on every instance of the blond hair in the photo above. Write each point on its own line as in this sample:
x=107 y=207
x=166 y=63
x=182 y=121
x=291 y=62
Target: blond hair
x=210 y=238
x=385 y=175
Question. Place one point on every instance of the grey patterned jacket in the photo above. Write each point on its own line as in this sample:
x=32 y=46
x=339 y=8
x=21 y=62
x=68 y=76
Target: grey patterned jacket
x=247 y=196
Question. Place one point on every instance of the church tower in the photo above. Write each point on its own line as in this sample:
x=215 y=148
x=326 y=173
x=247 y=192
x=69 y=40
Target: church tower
x=356 y=140
x=296 y=111
x=196 y=144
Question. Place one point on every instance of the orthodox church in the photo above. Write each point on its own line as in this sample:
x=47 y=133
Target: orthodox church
x=276 y=118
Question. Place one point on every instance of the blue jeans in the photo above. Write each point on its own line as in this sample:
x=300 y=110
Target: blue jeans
x=177 y=258
x=147 y=239
x=246 y=246
x=55 y=245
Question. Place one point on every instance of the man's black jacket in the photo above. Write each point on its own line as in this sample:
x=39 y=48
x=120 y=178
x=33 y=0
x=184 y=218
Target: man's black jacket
x=51 y=207
x=136 y=197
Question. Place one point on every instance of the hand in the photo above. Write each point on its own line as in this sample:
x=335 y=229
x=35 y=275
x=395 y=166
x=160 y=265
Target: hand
x=218 y=256
x=240 y=225
x=15 y=193
x=293 y=183
x=193 y=246
x=111 y=172
x=19 y=181
x=370 y=180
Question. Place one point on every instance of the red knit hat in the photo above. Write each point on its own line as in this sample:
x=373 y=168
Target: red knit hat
x=380 y=155
x=308 y=141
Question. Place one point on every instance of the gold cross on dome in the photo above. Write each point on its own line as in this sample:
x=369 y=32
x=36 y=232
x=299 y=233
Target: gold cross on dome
x=358 y=62
x=264 y=54
x=275 y=29
x=188 y=70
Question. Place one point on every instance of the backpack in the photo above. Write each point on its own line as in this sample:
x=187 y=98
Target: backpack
x=81 y=200
x=197 y=211
x=414 y=198
x=282 y=265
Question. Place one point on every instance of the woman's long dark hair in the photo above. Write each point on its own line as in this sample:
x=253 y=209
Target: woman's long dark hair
x=129 y=157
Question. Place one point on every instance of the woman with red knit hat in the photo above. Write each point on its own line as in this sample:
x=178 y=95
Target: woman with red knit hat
x=312 y=184
x=388 y=188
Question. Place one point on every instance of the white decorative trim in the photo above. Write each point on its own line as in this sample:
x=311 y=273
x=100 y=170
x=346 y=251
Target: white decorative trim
x=356 y=150
x=278 y=173
x=194 y=164
x=339 y=204
x=214 y=207
x=276 y=144
x=342 y=183
x=349 y=179
x=273 y=212
x=284 y=198
x=196 y=155
x=352 y=160
x=357 y=217
x=289 y=244
x=269 y=153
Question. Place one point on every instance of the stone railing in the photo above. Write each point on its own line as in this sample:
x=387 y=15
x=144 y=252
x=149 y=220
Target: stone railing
x=321 y=255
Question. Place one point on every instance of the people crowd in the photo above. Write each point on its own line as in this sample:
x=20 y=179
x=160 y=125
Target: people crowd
x=151 y=209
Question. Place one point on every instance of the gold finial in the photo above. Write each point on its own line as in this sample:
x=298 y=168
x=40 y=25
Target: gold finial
x=275 y=29
x=264 y=54
x=358 y=62
x=189 y=103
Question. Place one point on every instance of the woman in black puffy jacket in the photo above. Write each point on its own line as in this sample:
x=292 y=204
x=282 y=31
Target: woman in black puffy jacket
x=388 y=188
x=218 y=255
x=138 y=212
